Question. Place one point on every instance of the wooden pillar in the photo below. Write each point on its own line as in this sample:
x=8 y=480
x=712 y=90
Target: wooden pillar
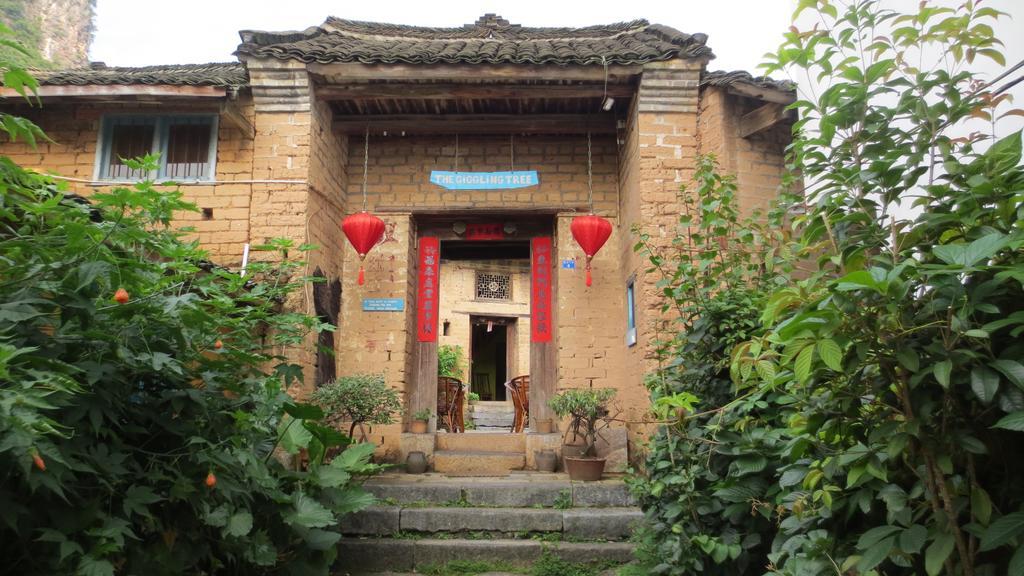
x=543 y=350
x=428 y=283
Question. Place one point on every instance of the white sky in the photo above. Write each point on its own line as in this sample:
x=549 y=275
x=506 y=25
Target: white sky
x=129 y=33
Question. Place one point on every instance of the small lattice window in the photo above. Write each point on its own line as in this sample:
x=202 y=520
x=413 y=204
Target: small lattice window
x=493 y=286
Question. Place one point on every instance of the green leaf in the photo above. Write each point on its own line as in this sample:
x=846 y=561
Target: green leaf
x=294 y=436
x=1013 y=370
x=1013 y=421
x=802 y=364
x=969 y=255
x=137 y=499
x=240 y=524
x=303 y=411
x=874 y=555
x=332 y=476
x=876 y=535
x=908 y=359
x=354 y=457
x=218 y=517
x=912 y=539
x=942 y=370
x=750 y=464
x=831 y=354
x=89 y=566
x=309 y=513
x=1016 y=567
x=984 y=383
x=981 y=505
x=321 y=539
x=936 y=554
x=1002 y=531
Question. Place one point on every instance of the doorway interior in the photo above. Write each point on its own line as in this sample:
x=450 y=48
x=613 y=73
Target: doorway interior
x=492 y=355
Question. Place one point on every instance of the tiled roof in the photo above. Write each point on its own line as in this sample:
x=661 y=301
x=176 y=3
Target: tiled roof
x=725 y=78
x=490 y=40
x=215 y=74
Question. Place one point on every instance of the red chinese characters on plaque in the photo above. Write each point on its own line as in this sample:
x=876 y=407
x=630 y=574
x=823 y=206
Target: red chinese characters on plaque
x=427 y=295
x=490 y=231
x=540 y=294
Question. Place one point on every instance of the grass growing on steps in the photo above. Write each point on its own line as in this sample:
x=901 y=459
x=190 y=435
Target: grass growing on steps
x=547 y=565
x=460 y=567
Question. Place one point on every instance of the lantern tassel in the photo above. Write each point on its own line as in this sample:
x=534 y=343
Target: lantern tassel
x=361 y=275
x=589 y=280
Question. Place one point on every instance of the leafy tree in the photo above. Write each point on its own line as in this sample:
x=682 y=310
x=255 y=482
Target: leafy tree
x=141 y=398
x=359 y=399
x=450 y=361
x=879 y=399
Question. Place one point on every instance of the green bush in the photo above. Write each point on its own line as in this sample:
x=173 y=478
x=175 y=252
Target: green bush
x=877 y=401
x=586 y=408
x=141 y=400
x=359 y=399
x=451 y=361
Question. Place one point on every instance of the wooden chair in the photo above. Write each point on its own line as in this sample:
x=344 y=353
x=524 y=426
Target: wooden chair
x=451 y=395
x=519 y=390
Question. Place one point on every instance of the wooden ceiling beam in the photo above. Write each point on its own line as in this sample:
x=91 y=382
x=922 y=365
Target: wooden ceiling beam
x=763 y=118
x=477 y=124
x=351 y=71
x=766 y=94
x=412 y=91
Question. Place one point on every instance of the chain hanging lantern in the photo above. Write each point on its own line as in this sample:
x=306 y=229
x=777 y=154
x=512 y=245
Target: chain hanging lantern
x=590 y=231
x=363 y=230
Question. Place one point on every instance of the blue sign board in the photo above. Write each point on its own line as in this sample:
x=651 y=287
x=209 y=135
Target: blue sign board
x=569 y=264
x=484 y=180
x=383 y=304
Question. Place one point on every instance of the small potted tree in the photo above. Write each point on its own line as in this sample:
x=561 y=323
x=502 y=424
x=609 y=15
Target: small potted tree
x=359 y=399
x=586 y=409
x=420 y=419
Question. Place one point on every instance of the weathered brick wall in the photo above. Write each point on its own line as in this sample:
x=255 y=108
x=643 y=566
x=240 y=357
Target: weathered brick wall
x=458 y=302
x=758 y=162
x=74 y=129
x=399 y=171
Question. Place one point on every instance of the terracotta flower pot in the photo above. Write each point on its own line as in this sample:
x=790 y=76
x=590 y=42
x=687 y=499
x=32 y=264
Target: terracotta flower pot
x=585 y=469
x=419 y=427
x=546 y=460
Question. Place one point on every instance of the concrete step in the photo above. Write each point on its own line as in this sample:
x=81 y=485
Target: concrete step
x=479 y=442
x=369 y=556
x=477 y=462
x=609 y=524
x=517 y=490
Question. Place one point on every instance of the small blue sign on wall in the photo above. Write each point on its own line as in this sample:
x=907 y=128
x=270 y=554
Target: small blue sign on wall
x=569 y=264
x=484 y=180
x=383 y=304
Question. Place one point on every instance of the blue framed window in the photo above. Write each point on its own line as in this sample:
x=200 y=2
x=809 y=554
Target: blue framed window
x=630 y=313
x=187 y=145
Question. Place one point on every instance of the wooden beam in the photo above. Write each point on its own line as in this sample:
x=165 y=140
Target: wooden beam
x=233 y=115
x=477 y=124
x=762 y=118
x=412 y=91
x=158 y=90
x=762 y=93
x=350 y=71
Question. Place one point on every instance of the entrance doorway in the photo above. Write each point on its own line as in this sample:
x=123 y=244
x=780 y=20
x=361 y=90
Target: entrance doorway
x=492 y=355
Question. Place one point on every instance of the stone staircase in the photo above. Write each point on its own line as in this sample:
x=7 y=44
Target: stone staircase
x=479 y=453
x=492 y=416
x=432 y=520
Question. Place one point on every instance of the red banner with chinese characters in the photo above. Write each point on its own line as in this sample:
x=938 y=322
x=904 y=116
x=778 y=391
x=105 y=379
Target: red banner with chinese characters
x=540 y=293
x=427 y=295
x=489 y=231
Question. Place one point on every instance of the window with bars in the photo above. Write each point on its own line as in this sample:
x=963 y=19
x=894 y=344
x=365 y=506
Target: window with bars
x=491 y=286
x=186 y=145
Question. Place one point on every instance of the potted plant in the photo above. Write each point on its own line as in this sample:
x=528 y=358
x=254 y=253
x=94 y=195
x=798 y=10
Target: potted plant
x=359 y=399
x=586 y=409
x=420 y=420
x=473 y=397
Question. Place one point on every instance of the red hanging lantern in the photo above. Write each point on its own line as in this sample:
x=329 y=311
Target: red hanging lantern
x=591 y=232
x=364 y=231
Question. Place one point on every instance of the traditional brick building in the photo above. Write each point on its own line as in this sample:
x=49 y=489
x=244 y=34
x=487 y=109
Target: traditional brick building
x=277 y=144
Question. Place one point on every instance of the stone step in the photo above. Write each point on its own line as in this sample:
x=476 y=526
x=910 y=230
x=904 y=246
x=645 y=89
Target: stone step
x=477 y=462
x=528 y=490
x=494 y=423
x=579 y=523
x=369 y=556
x=500 y=409
x=479 y=442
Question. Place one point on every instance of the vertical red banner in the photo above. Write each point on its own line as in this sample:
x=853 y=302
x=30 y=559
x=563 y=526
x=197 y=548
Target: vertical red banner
x=427 y=289
x=540 y=294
